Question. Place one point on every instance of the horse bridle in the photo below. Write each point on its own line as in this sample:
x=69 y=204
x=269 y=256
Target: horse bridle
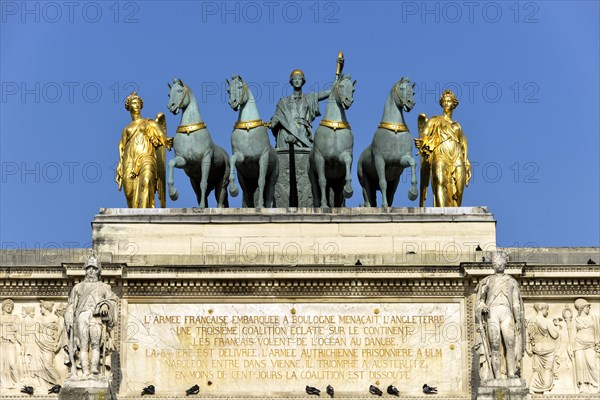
x=244 y=92
x=397 y=93
x=393 y=126
x=248 y=125
x=185 y=94
x=336 y=92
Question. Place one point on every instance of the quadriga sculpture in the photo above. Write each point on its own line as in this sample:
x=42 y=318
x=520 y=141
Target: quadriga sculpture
x=252 y=153
x=206 y=163
x=330 y=159
x=382 y=163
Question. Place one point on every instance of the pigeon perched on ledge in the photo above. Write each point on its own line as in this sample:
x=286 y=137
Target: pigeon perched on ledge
x=148 y=390
x=330 y=391
x=193 y=390
x=54 y=389
x=375 y=390
x=27 y=390
x=393 y=390
x=429 y=389
x=313 y=391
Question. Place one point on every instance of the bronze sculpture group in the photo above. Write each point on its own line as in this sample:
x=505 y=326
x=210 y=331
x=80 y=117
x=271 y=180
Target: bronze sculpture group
x=441 y=144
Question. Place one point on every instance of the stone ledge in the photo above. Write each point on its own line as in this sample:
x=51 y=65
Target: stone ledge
x=294 y=236
x=282 y=215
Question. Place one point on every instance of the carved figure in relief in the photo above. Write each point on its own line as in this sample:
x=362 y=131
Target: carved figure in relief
x=47 y=341
x=500 y=319
x=10 y=347
x=28 y=332
x=89 y=320
x=586 y=348
x=63 y=341
x=542 y=335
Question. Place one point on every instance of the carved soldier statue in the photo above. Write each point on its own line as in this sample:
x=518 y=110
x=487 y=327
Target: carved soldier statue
x=500 y=319
x=89 y=321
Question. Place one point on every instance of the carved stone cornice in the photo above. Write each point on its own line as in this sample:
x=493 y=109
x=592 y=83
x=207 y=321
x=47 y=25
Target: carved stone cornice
x=306 y=280
x=108 y=269
x=297 y=288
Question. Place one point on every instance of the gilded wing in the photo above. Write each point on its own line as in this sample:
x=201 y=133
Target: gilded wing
x=425 y=167
x=161 y=163
x=421 y=121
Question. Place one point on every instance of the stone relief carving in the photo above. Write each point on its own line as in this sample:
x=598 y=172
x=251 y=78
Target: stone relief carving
x=563 y=347
x=586 y=348
x=30 y=345
x=10 y=347
x=46 y=337
x=542 y=336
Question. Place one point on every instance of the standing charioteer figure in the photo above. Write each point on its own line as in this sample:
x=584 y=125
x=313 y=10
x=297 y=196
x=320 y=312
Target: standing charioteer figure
x=294 y=115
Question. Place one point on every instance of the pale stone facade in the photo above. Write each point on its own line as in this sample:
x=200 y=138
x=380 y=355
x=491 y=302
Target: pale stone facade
x=255 y=304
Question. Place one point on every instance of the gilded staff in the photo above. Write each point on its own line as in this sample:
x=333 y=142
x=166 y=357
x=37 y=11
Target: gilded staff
x=340 y=64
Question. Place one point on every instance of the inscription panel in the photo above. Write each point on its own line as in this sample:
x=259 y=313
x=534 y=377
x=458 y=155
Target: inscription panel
x=279 y=348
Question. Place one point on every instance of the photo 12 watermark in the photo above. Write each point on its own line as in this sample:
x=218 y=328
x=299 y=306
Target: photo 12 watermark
x=253 y=12
x=70 y=12
x=453 y=12
x=67 y=92
x=492 y=92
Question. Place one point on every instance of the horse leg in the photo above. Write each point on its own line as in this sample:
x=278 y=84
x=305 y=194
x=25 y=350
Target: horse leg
x=322 y=180
x=221 y=191
x=380 y=168
x=221 y=185
x=346 y=158
x=270 y=185
x=178 y=162
x=391 y=190
x=263 y=165
x=338 y=194
x=196 y=186
x=205 y=170
x=235 y=157
x=407 y=160
x=364 y=183
x=248 y=189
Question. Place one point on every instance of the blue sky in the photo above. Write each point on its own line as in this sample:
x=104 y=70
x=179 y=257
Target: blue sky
x=526 y=73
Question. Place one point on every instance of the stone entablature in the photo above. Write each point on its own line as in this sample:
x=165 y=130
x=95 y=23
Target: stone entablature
x=162 y=292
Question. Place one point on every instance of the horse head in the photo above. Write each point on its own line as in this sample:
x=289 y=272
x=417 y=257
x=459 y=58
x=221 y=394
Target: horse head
x=404 y=94
x=238 y=92
x=179 y=96
x=344 y=91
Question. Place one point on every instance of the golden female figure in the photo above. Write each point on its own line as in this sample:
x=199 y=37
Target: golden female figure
x=443 y=148
x=142 y=157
